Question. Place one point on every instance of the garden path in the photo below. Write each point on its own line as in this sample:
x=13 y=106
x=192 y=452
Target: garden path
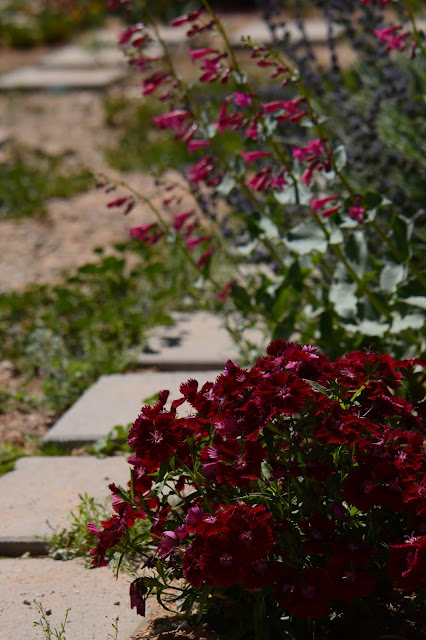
x=41 y=489
x=72 y=123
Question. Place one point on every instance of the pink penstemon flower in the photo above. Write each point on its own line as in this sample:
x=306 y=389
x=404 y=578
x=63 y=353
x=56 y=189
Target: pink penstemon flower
x=171 y=120
x=319 y=203
x=180 y=20
x=260 y=181
x=392 y=38
x=197 y=54
x=191 y=243
x=252 y=156
x=179 y=219
x=242 y=99
x=126 y=36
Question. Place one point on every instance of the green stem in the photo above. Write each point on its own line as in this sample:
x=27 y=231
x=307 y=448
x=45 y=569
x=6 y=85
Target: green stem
x=416 y=33
x=165 y=227
x=380 y=308
x=382 y=235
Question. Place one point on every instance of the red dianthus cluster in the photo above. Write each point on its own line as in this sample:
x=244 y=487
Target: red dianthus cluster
x=278 y=469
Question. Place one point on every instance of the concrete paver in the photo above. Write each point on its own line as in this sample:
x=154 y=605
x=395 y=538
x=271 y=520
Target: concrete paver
x=73 y=56
x=31 y=78
x=116 y=400
x=195 y=341
x=94 y=596
x=48 y=488
x=316 y=31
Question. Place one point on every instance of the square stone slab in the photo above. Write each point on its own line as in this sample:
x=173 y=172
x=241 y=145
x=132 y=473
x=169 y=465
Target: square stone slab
x=48 y=488
x=116 y=400
x=76 y=57
x=30 y=78
x=316 y=31
x=195 y=341
x=94 y=596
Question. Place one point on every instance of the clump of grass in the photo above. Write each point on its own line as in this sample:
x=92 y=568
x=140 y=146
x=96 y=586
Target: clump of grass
x=9 y=453
x=75 y=540
x=29 y=179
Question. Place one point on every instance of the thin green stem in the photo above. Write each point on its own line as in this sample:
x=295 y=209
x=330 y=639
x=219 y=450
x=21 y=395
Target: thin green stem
x=416 y=32
x=382 y=235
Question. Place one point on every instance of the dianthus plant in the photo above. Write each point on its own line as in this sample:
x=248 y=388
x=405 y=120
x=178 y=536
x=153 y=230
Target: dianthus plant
x=288 y=499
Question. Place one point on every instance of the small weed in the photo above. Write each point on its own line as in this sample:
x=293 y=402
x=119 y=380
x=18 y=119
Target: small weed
x=114 y=442
x=60 y=634
x=49 y=633
x=76 y=541
x=9 y=453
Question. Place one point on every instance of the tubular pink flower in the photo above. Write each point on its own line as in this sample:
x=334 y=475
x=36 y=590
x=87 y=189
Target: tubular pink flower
x=387 y=36
x=260 y=181
x=320 y=202
x=196 y=54
x=242 y=99
x=171 y=120
x=191 y=243
x=251 y=156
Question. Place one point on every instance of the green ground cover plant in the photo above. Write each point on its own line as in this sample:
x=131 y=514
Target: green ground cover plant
x=25 y=24
x=29 y=178
x=95 y=321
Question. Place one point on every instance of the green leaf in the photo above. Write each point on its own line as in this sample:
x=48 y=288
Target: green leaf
x=241 y=297
x=368 y=328
x=343 y=297
x=409 y=321
x=305 y=238
x=401 y=231
x=319 y=387
x=291 y=195
x=336 y=236
x=391 y=276
x=415 y=301
x=356 y=251
x=270 y=230
x=340 y=157
x=226 y=186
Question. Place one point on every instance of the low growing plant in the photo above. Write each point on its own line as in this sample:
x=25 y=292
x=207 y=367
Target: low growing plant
x=95 y=320
x=29 y=179
x=288 y=502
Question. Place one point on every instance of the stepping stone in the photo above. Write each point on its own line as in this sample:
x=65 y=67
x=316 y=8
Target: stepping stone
x=48 y=488
x=196 y=341
x=116 y=400
x=76 y=57
x=4 y=136
x=30 y=78
x=95 y=598
x=316 y=31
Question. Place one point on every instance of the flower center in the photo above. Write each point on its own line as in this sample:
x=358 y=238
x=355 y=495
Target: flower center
x=225 y=560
